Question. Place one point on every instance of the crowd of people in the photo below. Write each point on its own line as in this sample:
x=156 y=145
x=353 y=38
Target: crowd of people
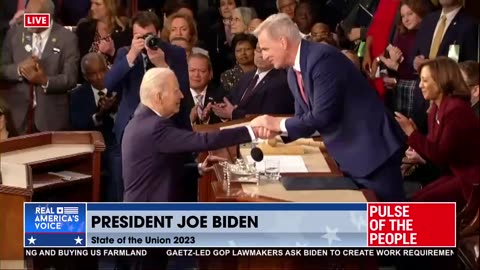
x=420 y=56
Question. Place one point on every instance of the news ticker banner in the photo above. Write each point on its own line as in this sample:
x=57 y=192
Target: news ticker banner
x=238 y=225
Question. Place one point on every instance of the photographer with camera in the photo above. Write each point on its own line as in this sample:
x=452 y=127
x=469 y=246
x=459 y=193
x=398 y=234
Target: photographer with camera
x=131 y=63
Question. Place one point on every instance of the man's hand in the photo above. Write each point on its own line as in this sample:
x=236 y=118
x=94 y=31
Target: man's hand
x=264 y=133
x=34 y=74
x=106 y=105
x=224 y=110
x=418 y=61
x=29 y=62
x=157 y=57
x=107 y=46
x=268 y=122
x=207 y=164
x=138 y=44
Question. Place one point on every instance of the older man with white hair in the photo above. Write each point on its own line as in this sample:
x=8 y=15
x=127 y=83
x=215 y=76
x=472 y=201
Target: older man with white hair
x=333 y=98
x=152 y=169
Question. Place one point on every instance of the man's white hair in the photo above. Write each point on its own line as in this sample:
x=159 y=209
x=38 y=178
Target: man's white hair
x=278 y=4
x=153 y=82
x=279 y=25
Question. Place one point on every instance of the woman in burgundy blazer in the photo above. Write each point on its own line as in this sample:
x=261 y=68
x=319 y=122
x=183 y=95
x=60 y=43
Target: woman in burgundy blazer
x=452 y=142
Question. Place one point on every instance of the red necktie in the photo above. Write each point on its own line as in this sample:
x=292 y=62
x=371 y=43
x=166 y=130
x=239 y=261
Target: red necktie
x=300 y=86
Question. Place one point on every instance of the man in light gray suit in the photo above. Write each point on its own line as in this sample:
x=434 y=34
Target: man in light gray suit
x=40 y=66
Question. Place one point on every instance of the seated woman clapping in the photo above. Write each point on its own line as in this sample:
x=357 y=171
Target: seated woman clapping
x=452 y=142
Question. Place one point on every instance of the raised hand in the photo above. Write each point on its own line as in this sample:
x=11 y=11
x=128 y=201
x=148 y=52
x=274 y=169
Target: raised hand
x=107 y=46
x=224 y=110
x=404 y=123
x=138 y=44
x=157 y=57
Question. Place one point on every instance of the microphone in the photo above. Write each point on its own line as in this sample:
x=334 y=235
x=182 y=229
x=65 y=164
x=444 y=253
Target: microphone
x=257 y=154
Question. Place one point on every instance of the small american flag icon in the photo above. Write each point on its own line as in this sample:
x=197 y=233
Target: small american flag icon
x=67 y=210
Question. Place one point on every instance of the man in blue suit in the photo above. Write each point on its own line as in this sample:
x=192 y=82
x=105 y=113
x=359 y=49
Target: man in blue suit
x=152 y=143
x=333 y=98
x=132 y=62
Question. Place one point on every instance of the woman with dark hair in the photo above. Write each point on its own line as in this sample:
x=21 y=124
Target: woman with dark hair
x=244 y=49
x=452 y=142
x=401 y=79
x=7 y=129
x=104 y=30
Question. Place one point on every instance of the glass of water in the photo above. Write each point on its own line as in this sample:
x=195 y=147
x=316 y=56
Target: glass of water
x=272 y=169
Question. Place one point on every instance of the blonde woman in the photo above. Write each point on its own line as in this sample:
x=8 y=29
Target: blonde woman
x=182 y=26
x=103 y=30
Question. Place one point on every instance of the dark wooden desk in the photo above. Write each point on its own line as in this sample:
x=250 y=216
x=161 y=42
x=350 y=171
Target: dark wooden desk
x=213 y=189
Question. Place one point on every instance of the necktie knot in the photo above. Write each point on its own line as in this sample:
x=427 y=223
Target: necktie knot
x=199 y=99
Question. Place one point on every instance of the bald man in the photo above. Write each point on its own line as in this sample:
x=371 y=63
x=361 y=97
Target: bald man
x=92 y=110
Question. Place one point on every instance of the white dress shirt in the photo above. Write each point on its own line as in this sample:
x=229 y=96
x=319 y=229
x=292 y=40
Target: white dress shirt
x=261 y=75
x=450 y=16
x=44 y=38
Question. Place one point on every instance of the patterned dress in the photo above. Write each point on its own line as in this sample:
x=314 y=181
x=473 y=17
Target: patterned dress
x=230 y=77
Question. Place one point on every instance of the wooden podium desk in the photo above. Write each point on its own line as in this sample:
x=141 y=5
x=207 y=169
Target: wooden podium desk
x=212 y=188
x=27 y=163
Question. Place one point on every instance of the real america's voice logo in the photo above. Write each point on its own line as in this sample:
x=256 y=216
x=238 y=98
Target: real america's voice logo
x=54 y=225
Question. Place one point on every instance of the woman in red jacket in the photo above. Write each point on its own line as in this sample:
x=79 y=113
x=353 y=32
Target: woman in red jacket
x=452 y=142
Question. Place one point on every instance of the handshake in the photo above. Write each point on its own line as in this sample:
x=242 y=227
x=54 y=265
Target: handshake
x=266 y=127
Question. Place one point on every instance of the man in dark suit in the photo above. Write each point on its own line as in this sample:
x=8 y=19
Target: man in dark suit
x=448 y=32
x=152 y=143
x=264 y=91
x=91 y=109
x=200 y=73
x=131 y=63
x=41 y=64
x=333 y=98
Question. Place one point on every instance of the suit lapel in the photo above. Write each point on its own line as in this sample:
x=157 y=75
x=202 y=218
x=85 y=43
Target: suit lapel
x=51 y=42
x=449 y=36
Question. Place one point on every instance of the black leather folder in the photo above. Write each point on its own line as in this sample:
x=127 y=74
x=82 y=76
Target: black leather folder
x=318 y=183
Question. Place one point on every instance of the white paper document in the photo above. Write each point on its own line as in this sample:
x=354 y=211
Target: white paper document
x=288 y=163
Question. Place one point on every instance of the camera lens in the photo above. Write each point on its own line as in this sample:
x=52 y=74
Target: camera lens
x=152 y=41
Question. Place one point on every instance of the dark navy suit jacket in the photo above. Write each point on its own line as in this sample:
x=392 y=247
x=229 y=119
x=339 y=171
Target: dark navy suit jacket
x=462 y=31
x=83 y=107
x=127 y=80
x=353 y=122
x=152 y=150
x=271 y=95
